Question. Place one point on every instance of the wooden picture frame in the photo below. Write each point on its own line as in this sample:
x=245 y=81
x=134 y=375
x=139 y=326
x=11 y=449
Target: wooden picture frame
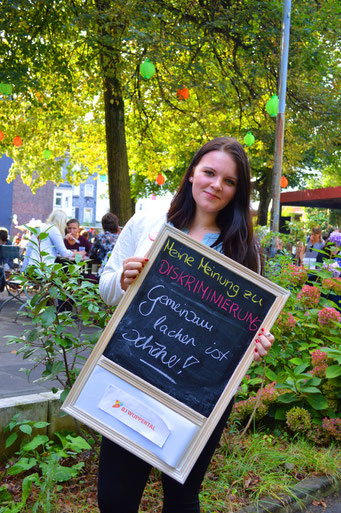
x=174 y=352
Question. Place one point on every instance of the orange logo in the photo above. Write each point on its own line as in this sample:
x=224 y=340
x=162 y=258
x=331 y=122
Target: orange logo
x=117 y=404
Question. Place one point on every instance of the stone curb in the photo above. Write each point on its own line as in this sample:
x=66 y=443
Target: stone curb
x=38 y=407
x=303 y=495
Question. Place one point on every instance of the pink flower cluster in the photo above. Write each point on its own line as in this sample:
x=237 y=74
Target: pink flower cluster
x=298 y=275
x=269 y=394
x=309 y=296
x=333 y=284
x=286 y=321
x=327 y=315
x=333 y=427
x=319 y=362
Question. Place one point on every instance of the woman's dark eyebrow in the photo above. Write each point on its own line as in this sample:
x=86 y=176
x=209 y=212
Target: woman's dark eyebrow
x=212 y=169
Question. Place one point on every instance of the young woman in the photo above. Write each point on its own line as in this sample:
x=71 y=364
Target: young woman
x=309 y=256
x=53 y=245
x=212 y=206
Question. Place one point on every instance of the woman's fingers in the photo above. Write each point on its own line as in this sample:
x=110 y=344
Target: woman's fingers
x=263 y=342
x=131 y=269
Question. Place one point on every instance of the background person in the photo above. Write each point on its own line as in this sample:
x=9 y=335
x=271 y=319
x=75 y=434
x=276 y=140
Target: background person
x=74 y=240
x=105 y=242
x=7 y=263
x=53 y=245
x=212 y=205
x=309 y=255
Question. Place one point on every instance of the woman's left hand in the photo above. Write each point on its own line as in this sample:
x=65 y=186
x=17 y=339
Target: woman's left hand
x=263 y=342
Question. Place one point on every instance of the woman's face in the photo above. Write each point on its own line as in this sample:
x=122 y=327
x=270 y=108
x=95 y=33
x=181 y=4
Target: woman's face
x=214 y=181
x=73 y=228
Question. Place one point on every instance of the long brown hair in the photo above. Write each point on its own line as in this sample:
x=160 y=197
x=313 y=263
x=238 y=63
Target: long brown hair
x=234 y=220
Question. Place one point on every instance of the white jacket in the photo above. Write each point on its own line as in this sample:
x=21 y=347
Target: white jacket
x=53 y=245
x=135 y=239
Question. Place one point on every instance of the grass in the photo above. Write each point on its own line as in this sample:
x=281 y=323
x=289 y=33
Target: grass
x=241 y=472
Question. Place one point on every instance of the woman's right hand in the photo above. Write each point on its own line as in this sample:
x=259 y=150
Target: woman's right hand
x=131 y=269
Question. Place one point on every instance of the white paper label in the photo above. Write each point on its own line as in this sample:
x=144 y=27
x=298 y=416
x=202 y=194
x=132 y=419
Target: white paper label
x=135 y=414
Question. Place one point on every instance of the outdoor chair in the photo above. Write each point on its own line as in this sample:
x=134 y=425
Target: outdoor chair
x=9 y=278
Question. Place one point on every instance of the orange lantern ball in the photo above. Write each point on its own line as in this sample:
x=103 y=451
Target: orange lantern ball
x=1 y=135
x=17 y=141
x=284 y=182
x=183 y=93
x=160 y=179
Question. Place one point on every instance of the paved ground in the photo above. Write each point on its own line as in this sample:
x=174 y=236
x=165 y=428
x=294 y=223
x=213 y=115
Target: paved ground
x=331 y=504
x=13 y=382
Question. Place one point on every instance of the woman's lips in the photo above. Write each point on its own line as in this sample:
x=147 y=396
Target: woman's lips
x=211 y=195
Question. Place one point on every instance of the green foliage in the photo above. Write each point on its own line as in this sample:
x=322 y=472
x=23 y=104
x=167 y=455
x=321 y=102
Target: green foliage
x=41 y=461
x=59 y=72
x=66 y=316
x=304 y=362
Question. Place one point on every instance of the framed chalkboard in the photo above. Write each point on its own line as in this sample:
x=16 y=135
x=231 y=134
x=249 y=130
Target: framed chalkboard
x=169 y=361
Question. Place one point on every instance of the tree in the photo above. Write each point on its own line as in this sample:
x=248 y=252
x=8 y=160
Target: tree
x=227 y=54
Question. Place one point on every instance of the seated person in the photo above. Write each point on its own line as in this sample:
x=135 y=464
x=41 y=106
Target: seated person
x=53 y=245
x=105 y=242
x=74 y=240
x=4 y=240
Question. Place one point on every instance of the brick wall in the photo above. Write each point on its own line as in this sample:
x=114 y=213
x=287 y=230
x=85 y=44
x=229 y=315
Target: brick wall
x=28 y=205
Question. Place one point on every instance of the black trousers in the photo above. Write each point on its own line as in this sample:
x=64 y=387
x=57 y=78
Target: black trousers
x=122 y=478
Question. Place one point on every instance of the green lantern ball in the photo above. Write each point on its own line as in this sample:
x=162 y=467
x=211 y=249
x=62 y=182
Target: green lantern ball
x=5 y=88
x=272 y=106
x=147 y=69
x=47 y=154
x=249 y=139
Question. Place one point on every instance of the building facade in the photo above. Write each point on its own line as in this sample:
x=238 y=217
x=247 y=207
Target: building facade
x=18 y=203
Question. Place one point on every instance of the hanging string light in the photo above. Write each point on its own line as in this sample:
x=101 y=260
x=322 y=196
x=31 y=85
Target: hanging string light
x=17 y=141
x=272 y=106
x=183 y=93
x=47 y=154
x=249 y=139
x=147 y=69
x=160 y=179
x=284 y=182
x=5 y=88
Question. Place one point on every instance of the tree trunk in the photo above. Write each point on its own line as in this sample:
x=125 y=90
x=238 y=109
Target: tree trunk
x=264 y=190
x=112 y=25
x=118 y=170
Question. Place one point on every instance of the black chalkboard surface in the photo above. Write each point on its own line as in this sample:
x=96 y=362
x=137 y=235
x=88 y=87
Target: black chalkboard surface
x=189 y=325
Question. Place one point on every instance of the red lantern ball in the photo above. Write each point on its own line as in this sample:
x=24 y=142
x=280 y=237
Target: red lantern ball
x=183 y=93
x=160 y=179
x=284 y=182
x=17 y=141
x=1 y=135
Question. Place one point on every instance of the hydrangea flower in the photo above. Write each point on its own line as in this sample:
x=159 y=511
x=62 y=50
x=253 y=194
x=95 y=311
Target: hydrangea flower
x=327 y=315
x=286 y=321
x=309 y=296
x=297 y=274
x=335 y=237
x=319 y=363
x=333 y=284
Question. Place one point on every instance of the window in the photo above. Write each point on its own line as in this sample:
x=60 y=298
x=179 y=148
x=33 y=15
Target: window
x=67 y=201
x=87 y=215
x=89 y=190
x=58 y=199
x=75 y=212
x=76 y=190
